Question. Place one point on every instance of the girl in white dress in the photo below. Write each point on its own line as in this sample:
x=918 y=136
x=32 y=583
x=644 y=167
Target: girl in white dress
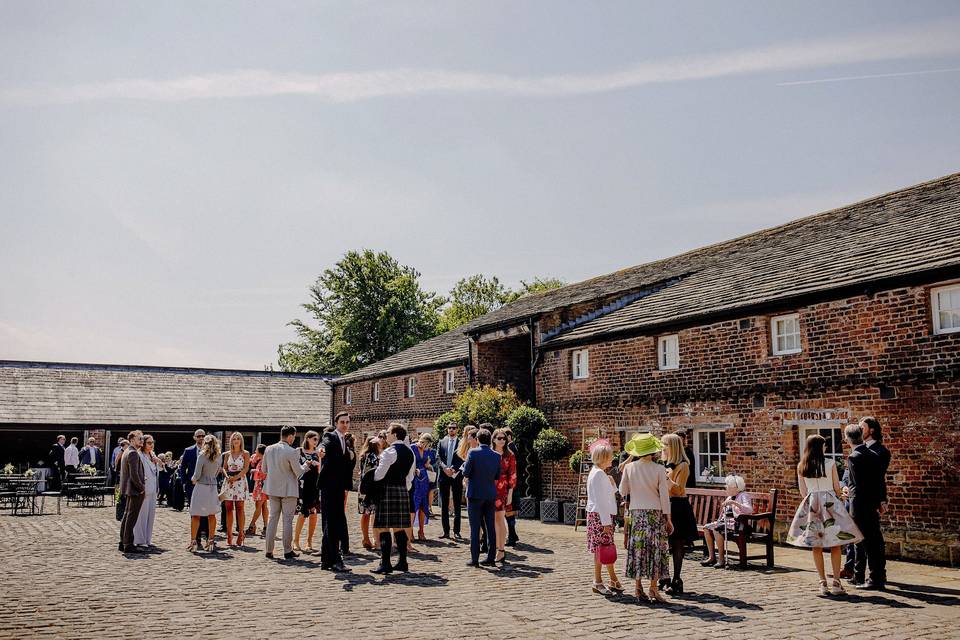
x=236 y=463
x=821 y=521
x=143 y=530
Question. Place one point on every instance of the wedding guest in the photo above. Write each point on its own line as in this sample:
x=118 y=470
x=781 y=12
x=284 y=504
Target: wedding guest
x=132 y=485
x=205 y=502
x=601 y=510
x=283 y=469
x=506 y=483
x=738 y=503
x=309 y=502
x=681 y=513
x=646 y=487
x=395 y=470
x=873 y=534
x=71 y=457
x=450 y=481
x=426 y=462
x=336 y=477
x=512 y=538
x=91 y=454
x=188 y=462
x=688 y=452
x=113 y=465
x=56 y=458
x=821 y=522
x=143 y=529
x=867 y=494
x=369 y=456
x=261 y=507
x=165 y=470
x=236 y=463
x=481 y=468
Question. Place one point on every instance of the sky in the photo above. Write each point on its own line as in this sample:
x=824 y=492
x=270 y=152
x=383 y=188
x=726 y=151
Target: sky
x=175 y=175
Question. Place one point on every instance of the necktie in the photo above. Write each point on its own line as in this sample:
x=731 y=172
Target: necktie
x=451 y=445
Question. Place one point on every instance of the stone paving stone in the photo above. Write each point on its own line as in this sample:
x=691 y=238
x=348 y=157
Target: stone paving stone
x=63 y=578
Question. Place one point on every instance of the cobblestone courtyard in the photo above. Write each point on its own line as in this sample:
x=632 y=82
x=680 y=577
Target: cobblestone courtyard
x=63 y=577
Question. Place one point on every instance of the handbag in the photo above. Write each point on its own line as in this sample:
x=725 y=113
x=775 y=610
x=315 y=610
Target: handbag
x=606 y=554
x=431 y=476
x=223 y=491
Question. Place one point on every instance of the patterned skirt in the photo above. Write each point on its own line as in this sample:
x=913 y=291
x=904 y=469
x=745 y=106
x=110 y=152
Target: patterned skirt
x=647 y=548
x=822 y=521
x=596 y=536
x=393 y=508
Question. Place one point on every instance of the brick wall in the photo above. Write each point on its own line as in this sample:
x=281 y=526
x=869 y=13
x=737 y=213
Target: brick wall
x=864 y=355
x=503 y=363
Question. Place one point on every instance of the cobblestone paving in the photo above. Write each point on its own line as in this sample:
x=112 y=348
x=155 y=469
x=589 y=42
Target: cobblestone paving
x=63 y=577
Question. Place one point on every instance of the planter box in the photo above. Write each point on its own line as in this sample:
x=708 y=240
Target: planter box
x=528 y=508
x=570 y=513
x=549 y=511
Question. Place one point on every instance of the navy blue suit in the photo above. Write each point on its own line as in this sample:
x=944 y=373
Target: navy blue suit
x=188 y=462
x=481 y=468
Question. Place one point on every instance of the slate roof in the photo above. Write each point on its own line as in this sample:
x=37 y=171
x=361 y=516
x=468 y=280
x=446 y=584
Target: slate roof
x=907 y=231
x=92 y=394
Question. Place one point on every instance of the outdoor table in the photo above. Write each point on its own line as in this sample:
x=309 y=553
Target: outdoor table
x=89 y=490
x=42 y=474
x=25 y=500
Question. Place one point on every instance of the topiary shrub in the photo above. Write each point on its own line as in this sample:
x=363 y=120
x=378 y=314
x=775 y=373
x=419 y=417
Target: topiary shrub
x=551 y=446
x=575 y=459
x=476 y=405
x=526 y=423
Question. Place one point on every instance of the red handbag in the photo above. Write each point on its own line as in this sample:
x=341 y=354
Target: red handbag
x=606 y=554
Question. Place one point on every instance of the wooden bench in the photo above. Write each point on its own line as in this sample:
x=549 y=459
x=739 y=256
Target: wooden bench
x=756 y=527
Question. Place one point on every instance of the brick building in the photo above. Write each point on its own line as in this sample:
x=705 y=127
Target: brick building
x=750 y=345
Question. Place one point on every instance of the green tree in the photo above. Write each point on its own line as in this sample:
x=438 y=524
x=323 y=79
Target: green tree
x=538 y=285
x=471 y=298
x=366 y=308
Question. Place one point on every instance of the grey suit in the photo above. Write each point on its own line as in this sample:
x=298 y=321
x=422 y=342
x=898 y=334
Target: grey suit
x=281 y=463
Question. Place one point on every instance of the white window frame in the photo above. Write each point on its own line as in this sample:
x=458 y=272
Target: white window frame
x=411 y=387
x=720 y=455
x=376 y=391
x=449 y=381
x=668 y=352
x=836 y=436
x=938 y=329
x=580 y=364
x=774 y=334
x=348 y=395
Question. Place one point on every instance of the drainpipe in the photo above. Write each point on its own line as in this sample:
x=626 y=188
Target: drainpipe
x=534 y=355
x=470 y=362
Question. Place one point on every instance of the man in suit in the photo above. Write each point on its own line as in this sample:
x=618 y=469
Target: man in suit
x=188 y=463
x=481 y=468
x=281 y=463
x=132 y=486
x=55 y=460
x=91 y=454
x=114 y=464
x=71 y=457
x=873 y=440
x=864 y=491
x=450 y=480
x=336 y=476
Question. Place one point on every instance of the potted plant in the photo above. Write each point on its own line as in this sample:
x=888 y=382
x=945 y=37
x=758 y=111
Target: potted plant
x=526 y=423
x=9 y=469
x=550 y=446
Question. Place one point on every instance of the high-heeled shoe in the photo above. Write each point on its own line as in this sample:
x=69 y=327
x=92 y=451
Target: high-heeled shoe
x=655 y=596
x=240 y=538
x=192 y=546
x=599 y=587
x=367 y=545
x=211 y=546
x=709 y=562
x=616 y=586
x=837 y=589
x=502 y=557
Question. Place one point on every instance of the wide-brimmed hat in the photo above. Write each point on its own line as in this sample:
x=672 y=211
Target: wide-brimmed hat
x=643 y=444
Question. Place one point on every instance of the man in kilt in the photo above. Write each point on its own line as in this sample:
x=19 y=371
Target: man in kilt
x=394 y=474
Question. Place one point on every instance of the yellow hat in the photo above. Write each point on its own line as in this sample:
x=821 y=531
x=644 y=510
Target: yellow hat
x=643 y=444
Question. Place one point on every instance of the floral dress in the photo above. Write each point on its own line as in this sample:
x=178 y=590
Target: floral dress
x=506 y=482
x=236 y=491
x=369 y=461
x=821 y=519
x=258 y=477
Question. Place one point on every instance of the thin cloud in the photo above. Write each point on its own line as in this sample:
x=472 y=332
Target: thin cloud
x=868 y=77
x=922 y=41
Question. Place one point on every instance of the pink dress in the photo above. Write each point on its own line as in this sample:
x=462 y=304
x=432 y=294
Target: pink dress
x=258 y=478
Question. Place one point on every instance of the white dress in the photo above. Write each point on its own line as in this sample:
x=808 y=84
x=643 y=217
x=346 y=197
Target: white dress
x=236 y=491
x=143 y=530
x=821 y=520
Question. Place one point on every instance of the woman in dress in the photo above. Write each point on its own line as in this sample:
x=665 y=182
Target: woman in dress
x=681 y=513
x=739 y=503
x=369 y=455
x=426 y=464
x=205 y=503
x=261 y=500
x=601 y=510
x=505 y=484
x=236 y=463
x=143 y=529
x=821 y=521
x=646 y=487
x=165 y=472
x=309 y=502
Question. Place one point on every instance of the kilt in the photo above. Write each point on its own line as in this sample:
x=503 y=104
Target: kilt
x=393 y=509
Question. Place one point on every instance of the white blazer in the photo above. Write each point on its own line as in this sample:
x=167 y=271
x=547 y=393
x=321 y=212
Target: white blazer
x=281 y=463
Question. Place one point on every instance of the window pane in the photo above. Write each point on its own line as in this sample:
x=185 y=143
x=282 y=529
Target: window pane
x=723 y=442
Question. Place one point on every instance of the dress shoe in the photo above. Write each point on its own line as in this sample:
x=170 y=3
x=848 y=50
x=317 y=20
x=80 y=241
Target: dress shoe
x=338 y=568
x=269 y=555
x=382 y=569
x=488 y=563
x=458 y=537
x=291 y=555
x=472 y=563
x=401 y=566
x=445 y=536
x=870 y=585
x=510 y=543
x=857 y=581
x=846 y=574
x=120 y=547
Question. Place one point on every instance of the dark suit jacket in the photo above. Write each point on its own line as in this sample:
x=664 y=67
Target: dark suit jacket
x=188 y=462
x=336 y=472
x=482 y=468
x=884 y=454
x=443 y=449
x=55 y=457
x=85 y=455
x=864 y=483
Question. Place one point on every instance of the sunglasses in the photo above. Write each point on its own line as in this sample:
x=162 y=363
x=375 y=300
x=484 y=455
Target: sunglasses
x=501 y=439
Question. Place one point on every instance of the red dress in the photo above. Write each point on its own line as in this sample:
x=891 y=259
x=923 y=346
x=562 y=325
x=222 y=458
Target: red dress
x=506 y=481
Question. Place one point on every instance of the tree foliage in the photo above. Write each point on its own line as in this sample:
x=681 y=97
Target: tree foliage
x=477 y=295
x=526 y=423
x=551 y=445
x=366 y=308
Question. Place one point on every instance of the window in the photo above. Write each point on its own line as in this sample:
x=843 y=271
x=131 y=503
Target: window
x=348 y=395
x=448 y=381
x=376 y=391
x=945 y=303
x=710 y=454
x=411 y=387
x=581 y=364
x=785 y=331
x=668 y=352
x=833 y=436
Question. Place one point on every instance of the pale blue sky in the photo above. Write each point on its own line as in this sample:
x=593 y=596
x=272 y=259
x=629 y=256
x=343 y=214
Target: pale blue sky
x=175 y=175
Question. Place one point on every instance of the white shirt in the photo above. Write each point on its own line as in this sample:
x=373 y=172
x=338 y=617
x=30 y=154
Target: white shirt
x=601 y=495
x=387 y=458
x=869 y=442
x=71 y=456
x=93 y=456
